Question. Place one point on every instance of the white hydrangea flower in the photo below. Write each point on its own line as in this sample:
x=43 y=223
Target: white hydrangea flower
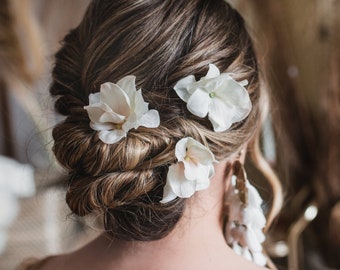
x=191 y=173
x=217 y=95
x=244 y=230
x=118 y=108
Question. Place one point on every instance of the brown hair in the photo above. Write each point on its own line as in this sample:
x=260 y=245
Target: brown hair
x=160 y=42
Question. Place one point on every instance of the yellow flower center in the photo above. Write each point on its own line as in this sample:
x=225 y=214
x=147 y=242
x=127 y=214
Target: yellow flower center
x=193 y=160
x=118 y=126
x=187 y=158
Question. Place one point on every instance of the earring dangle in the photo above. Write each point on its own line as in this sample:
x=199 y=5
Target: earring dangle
x=245 y=218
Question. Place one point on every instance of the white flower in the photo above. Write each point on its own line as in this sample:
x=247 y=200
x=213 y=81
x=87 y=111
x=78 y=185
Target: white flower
x=217 y=95
x=191 y=173
x=117 y=108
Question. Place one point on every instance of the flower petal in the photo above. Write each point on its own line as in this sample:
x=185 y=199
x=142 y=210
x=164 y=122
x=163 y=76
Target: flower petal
x=128 y=84
x=240 y=114
x=111 y=136
x=235 y=96
x=220 y=115
x=202 y=183
x=139 y=106
x=94 y=98
x=95 y=111
x=213 y=72
x=196 y=158
x=130 y=123
x=243 y=83
x=181 y=87
x=115 y=98
x=168 y=194
x=199 y=152
x=198 y=103
x=197 y=172
x=112 y=117
x=192 y=171
x=178 y=183
x=101 y=126
x=150 y=119
x=181 y=149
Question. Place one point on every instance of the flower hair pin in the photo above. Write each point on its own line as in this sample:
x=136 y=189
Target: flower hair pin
x=118 y=108
x=191 y=173
x=217 y=95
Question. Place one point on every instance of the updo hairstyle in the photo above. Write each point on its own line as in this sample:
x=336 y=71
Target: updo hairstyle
x=160 y=42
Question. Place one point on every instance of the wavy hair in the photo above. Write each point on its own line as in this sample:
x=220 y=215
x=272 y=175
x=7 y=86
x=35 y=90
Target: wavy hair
x=160 y=42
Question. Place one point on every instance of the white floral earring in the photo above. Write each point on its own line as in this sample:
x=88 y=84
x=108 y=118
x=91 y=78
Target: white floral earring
x=245 y=218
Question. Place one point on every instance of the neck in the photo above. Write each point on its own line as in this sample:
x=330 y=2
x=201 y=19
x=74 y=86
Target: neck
x=198 y=232
x=197 y=241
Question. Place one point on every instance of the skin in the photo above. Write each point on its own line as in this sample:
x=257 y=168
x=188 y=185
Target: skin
x=197 y=242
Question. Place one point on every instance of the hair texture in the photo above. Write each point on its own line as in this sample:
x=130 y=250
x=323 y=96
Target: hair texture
x=160 y=42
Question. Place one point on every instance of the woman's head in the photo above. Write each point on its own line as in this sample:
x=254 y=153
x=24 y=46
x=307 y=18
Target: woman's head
x=159 y=42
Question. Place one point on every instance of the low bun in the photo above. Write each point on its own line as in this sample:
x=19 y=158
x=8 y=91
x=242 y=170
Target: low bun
x=86 y=193
x=128 y=201
x=123 y=180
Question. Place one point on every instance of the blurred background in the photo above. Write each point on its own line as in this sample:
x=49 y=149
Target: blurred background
x=298 y=47
x=34 y=218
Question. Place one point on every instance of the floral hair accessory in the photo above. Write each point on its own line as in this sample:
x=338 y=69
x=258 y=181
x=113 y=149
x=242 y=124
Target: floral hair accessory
x=118 y=108
x=191 y=173
x=217 y=95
